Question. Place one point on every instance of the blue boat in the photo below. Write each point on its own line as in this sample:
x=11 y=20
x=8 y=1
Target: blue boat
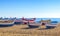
x=6 y=23
x=17 y=22
x=50 y=26
x=54 y=22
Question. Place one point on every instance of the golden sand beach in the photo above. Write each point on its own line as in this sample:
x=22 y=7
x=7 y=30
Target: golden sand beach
x=22 y=30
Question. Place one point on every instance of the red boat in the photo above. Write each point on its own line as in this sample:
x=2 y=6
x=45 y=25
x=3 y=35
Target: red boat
x=25 y=21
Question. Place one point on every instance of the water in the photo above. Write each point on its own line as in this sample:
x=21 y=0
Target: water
x=52 y=19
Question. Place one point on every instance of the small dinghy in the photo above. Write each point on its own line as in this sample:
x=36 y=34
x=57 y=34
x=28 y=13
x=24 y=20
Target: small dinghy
x=49 y=26
x=17 y=22
x=33 y=25
x=6 y=23
x=54 y=22
x=52 y=25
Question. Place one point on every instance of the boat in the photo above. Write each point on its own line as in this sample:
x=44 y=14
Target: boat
x=6 y=23
x=34 y=25
x=17 y=22
x=49 y=26
x=52 y=25
x=54 y=22
x=25 y=20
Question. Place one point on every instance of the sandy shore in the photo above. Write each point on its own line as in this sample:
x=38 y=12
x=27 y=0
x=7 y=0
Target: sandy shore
x=22 y=30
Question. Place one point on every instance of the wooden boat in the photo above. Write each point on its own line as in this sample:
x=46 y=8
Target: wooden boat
x=17 y=22
x=54 y=22
x=33 y=25
x=52 y=25
x=49 y=26
x=6 y=23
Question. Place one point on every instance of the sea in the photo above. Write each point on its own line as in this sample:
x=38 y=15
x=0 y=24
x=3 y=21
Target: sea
x=52 y=19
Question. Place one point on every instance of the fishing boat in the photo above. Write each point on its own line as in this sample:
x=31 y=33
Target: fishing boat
x=54 y=22
x=34 y=25
x=52 y=25
x=25 y=20
x=49 y=26
x=6 y=23
x=17 y=22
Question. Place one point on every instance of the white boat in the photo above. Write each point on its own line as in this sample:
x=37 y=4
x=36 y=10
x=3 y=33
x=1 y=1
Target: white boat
x=34 y=25
x=48 y=26
x=6 y=23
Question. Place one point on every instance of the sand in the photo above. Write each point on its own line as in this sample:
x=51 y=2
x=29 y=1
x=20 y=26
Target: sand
x=23 y=30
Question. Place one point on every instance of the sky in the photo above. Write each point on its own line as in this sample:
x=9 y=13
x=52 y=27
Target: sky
x=30 y=8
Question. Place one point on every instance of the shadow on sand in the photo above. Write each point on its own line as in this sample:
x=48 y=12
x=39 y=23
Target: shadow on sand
x=27 y=28
x=38 y=29
x=45 y=28
x=42 y=29
x=2 y=26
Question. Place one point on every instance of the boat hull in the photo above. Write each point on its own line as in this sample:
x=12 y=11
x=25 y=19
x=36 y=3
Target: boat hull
x=33 y=26
x=6 y=25
x=50 y=26
x=17 y=23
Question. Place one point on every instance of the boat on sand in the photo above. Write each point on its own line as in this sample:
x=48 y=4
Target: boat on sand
x=34 y=25
x=6 y=23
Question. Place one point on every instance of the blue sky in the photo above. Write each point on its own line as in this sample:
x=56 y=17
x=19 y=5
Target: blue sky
x=30 y=8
